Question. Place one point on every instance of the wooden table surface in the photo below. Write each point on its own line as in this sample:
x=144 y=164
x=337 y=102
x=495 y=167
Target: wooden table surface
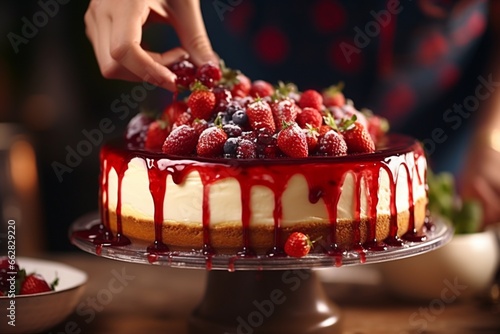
x=153 y=299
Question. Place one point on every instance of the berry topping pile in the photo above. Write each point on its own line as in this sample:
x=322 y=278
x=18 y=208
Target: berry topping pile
x=226 y=115
x=21 y=282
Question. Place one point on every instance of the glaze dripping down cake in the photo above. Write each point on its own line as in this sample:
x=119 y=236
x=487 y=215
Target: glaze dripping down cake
x=237 y=169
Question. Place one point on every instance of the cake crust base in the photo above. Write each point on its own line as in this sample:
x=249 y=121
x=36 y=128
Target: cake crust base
x=227 y=238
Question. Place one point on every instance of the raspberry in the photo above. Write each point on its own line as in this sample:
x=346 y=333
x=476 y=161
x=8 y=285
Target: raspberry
x=137 y=130
x=232 y=130
x=209 y=74
x=185 y=72
x=246 y=150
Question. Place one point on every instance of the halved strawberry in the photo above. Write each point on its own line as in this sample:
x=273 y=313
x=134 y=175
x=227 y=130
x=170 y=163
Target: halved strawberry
x=292 y=141
x=201 y=101
x=181 y=141
x=156 y=135
x=260 y=116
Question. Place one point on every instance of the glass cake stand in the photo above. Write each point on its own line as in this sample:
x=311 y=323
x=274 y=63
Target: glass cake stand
x=261 y=294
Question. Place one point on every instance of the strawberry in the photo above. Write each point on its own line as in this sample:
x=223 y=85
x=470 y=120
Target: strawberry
x=312 y=135
x=261 y=88
x=292 y=141
x=184 y=118
x=34 y=284
x=201 y=101
x=241 y=86
x=284 y=111
x=223 y=97
x=333 y=96
x=377 y=127
x=357 y=138
x=309 y=116
x=156 y=135
x=211 y=142
x=298 y=245
x=181 y=141
x=311 y=98
x=173 y=111
x=260 y=115
x=323 y=129
x=199 y=125
x=284 y=91
x=332 y=144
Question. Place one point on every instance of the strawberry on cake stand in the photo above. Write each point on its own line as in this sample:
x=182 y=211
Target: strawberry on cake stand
x=260 y=185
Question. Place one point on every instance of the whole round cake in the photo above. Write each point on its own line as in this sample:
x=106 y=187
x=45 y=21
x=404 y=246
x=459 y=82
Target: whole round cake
x=237 y=167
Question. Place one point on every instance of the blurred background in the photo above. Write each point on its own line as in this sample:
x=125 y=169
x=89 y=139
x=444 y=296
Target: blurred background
x=53 y=97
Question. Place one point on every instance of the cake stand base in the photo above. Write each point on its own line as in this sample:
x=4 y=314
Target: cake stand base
x=265 y=302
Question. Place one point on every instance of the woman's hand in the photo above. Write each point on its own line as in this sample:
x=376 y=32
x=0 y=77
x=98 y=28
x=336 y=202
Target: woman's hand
x=114 y=28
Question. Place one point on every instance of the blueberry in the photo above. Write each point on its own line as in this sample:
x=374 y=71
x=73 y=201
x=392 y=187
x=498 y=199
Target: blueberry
x=230 y=147
x=233 y=107
x=240 y=118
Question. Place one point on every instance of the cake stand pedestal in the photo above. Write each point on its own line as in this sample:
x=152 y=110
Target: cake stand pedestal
x=260 y=295
x=265 y=302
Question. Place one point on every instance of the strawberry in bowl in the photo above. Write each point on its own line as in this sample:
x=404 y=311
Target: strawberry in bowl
x=12 y=276
x=39 y=293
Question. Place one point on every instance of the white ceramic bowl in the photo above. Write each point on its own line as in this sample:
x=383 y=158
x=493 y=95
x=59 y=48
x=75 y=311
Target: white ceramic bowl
x=40 y=312
x=460 y=269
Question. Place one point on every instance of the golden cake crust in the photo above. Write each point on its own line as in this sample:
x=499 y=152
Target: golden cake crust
x=228 y=237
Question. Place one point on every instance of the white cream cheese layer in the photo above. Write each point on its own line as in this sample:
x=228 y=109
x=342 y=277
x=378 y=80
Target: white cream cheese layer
x=183 y=202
